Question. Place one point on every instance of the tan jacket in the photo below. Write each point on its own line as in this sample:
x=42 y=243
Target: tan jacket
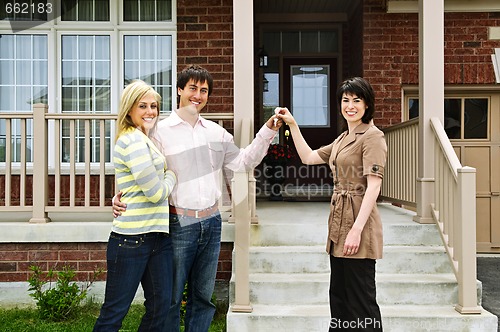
x=352 y=156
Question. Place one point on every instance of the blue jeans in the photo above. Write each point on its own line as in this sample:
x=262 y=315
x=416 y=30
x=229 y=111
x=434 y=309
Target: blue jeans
x=196 y=254
x=134 y=259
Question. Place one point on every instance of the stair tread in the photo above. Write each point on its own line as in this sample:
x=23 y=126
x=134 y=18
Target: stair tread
x=380 y=277
x=321 y=248
x=445 y=311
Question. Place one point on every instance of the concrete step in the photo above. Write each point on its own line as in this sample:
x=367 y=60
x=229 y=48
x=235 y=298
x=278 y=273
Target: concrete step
x=313 y=259
x=305 y=224
x=312 y=288
x=316 y=318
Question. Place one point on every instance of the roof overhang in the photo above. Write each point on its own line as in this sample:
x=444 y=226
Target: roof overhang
x=469 y=6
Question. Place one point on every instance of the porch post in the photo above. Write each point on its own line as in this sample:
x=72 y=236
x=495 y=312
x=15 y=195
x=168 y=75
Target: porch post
x=431 y=97
x=243 y=129
x=243 y=65
x=40 y=174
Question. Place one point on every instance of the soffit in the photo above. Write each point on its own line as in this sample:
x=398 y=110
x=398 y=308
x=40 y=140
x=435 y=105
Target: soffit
x=469 y=6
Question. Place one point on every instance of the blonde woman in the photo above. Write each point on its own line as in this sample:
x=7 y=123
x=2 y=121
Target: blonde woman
x=139 y=248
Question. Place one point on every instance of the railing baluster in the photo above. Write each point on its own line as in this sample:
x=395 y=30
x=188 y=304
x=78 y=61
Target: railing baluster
x=8 y=161
x=72 y=161
x=87 y=161
x=22 y=165
x=57 y=162
x=102 y=162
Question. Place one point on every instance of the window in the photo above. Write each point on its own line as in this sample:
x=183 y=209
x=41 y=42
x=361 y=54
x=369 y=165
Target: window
x=311 y=95
x=85 y=10
x=314 y=41
x=147 y=10
x=86 y=87
x=23 y=82
x=149 y=58
x=81 y=67
x=464 y=117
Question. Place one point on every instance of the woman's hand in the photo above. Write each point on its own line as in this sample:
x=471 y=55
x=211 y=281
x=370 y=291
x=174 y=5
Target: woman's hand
x=352 y=241
x=286 y=116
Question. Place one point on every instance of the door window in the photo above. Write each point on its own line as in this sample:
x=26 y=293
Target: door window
x=310 y=92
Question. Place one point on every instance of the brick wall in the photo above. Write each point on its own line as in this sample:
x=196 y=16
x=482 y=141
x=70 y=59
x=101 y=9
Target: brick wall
x=205 y=38
x=391 y=54
x=84 y=258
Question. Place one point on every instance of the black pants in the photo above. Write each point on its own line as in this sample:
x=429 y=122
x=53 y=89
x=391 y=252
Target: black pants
x=353 y=303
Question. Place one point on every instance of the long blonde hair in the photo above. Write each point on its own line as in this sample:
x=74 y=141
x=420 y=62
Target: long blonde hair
x=131 y=95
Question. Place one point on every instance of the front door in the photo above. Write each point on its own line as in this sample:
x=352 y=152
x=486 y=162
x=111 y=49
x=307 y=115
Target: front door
x=309 y=86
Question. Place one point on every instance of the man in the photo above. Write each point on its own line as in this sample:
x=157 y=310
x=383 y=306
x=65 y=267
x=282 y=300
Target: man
x=196 y=150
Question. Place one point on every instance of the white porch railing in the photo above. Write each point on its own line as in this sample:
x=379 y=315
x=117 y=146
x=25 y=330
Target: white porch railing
x=42 y=185
x=454 y=209
x=399 y=185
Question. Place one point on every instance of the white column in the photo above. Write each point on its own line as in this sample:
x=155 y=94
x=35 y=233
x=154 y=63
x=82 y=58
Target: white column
x=431 y=96
x=243 y=65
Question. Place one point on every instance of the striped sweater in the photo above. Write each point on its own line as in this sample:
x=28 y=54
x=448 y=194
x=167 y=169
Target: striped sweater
x=142 y=176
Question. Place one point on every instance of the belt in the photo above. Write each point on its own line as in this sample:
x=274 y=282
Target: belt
x=194 y=213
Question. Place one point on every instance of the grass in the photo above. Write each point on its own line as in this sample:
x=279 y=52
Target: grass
x=27 y=320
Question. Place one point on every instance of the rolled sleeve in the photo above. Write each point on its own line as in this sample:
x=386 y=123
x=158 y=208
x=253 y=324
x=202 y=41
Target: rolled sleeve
x=374 y=154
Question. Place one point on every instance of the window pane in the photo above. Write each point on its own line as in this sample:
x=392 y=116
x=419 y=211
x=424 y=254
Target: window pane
x=290 y=42
x=70 y=99
x=476 y=118
x=413 y=108
x=23 y=47
x=40 y=47
x=309 y=42
x=85 y=72
x=23 y=99
x=130 y=10
x=310 y=81
x=272 y=42
x=6 y=100
x=23 y=72
x=147 y=10
x=68 y=10
x=7 y=72
x=164 y=10
x=40 y=72
x=149 y=58
x=452 y=117
x=85 y=47
x=101 y=10
x=85 y=10
x=328 y=41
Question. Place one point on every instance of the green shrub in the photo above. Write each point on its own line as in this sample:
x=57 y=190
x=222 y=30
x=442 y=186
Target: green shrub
x=59 y=302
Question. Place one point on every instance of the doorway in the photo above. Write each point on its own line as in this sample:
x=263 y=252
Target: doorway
x=309 y=86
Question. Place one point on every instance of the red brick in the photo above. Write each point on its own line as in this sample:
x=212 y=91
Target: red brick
x=73 y=255
x=13 y=276
x=35 y=256
x=14 y=256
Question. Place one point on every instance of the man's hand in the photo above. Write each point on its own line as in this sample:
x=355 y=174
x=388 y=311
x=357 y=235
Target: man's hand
x=118 y=206
x=287 y=117
x=274 y=121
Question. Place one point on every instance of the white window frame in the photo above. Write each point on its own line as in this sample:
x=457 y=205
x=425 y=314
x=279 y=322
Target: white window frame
x=116 y=28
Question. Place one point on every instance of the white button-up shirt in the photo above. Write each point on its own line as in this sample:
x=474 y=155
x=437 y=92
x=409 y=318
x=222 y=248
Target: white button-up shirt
x=198 y=154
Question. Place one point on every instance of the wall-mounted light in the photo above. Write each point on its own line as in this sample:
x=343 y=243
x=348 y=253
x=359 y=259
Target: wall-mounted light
x=262 y=58
x=265 y=84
